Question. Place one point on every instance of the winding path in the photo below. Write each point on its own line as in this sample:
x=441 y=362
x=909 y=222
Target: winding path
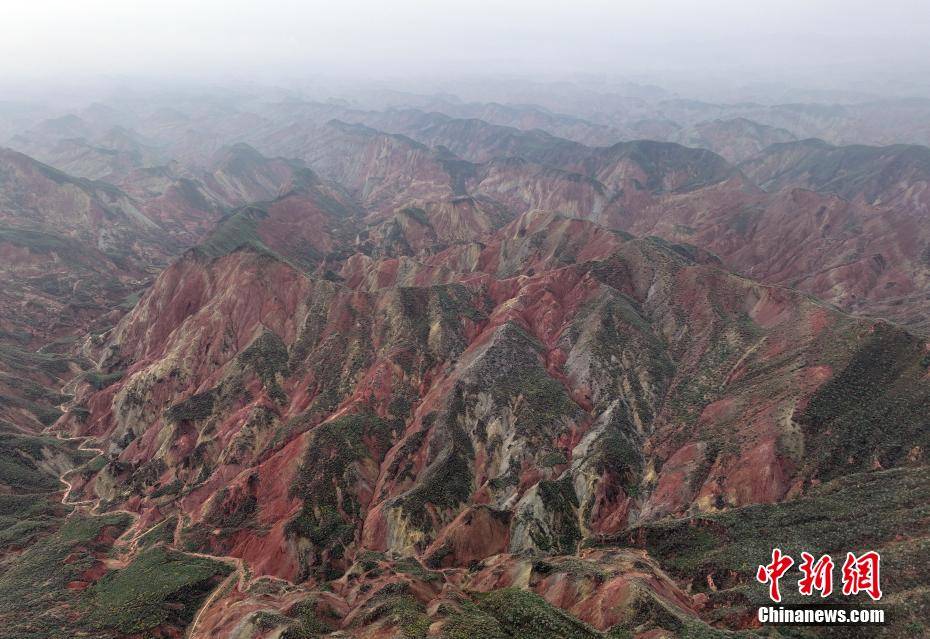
x=129 y=546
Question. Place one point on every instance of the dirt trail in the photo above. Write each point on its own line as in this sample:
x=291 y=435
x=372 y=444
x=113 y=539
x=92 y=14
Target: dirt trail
x=128 y=547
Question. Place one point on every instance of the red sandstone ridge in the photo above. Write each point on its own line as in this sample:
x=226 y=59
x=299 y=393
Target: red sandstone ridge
x=562 y=382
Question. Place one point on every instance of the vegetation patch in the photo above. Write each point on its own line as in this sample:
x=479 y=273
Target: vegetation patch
x=236 y=230
x=25 y=518
x=306 y=622
x=454 y=301
x=401 y=610
x=34 y=598
x=560 y=500
x=553 y=458
x=410 y=566
x=193 y=409
x=469 y=621
x=100 y=380
x=267 y=357
x=129 y=302
x=524 y=614
x=31 y=391
x=616 y=453
x=545 y=402
x=21 y=458
x=159 y=587
x=447 y=481
x=512 y=613
x=49 y=363
x=326 y=479
x=853 y=513
x=38 y=241
x=162 y=532
x=876 y=409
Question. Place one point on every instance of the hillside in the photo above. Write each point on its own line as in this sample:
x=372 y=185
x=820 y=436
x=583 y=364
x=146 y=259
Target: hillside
x=399 y=441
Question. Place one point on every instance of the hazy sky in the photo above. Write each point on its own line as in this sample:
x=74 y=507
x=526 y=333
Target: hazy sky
x=285 y=38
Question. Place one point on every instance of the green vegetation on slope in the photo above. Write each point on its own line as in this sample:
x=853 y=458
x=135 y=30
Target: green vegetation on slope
x=267 y=356
x=885 y=510
x=22 y=462
x=876 y=409
x=325 y=481
x=236 y=230
x=34 y=598
x=193 y=409
x=158 y=587
x=37 y=598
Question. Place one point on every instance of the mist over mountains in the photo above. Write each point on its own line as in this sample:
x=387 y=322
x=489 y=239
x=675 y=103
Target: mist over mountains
x=502 y=354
